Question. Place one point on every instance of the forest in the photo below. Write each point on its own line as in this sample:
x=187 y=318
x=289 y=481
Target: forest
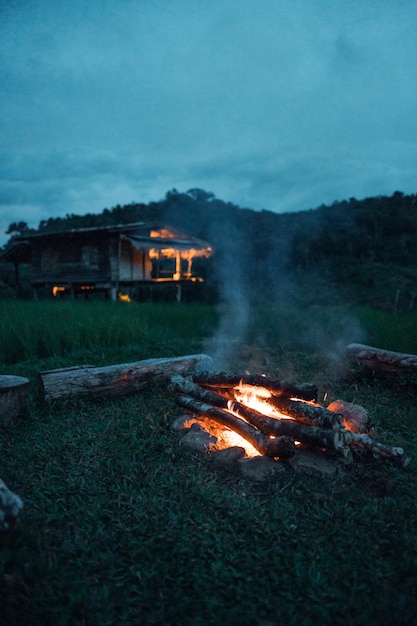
x=360 y=251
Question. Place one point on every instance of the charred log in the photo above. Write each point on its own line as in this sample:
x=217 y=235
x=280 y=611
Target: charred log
x=315 y=415
x=304 y=391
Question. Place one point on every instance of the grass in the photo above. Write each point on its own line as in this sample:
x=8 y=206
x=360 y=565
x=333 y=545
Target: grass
x=122 y=526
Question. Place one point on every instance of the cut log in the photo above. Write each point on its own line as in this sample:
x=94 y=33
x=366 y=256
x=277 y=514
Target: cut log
x=14 y=398
x=379 y=359
x=116 y=380
x=324 y=438
x=304 y=391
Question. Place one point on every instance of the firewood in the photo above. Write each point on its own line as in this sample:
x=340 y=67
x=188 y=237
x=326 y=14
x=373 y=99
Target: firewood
x=379 y=359
x=324 y=438
x=315 y=415
x=116 y=380
x=391 y=453
x=186 y=386
x=304 y=391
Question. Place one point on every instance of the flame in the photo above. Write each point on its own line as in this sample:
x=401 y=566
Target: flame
x=227 y=438
x=123 y=297
x=256 y=398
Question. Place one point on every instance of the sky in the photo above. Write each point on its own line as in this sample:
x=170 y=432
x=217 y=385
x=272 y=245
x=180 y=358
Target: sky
x=270 y=104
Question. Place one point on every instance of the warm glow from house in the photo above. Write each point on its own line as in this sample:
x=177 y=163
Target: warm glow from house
x=163 y=233
x=56 y=290
x=187 y=255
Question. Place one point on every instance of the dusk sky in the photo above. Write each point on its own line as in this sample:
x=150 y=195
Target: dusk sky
x=275 y=104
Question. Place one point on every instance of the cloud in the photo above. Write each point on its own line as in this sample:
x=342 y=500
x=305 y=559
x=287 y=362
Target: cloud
x=270 y=105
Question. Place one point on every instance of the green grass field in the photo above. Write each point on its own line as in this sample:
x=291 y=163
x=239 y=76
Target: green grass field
x=123 y=526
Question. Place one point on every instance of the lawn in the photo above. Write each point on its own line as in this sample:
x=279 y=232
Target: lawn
x=123 y=526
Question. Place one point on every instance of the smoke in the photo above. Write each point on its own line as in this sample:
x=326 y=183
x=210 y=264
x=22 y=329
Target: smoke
x=234 y=302
x=266 y=303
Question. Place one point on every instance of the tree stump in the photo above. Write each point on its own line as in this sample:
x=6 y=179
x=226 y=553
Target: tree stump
x=14 y=398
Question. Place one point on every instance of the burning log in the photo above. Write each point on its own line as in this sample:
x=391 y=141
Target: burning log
x=259 y=441
x=116 y=380
x=314 y=415
x=379 y=359
x=304 y=391
x=258 y=431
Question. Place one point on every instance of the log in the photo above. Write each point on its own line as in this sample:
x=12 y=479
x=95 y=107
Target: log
x=391 y=453
x=304 y=391
x=260 y=442
x=116 y=380
x=179 y=384
x=14 y=398
x=314 y=415
x=355 y=417
x=379 y=359
x=10 y=508
x=324 y=438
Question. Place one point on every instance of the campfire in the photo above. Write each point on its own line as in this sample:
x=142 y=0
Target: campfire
x=273 y=418
x=261 y=415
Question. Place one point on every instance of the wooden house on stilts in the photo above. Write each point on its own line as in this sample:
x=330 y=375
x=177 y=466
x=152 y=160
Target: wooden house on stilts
x=138 y=261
